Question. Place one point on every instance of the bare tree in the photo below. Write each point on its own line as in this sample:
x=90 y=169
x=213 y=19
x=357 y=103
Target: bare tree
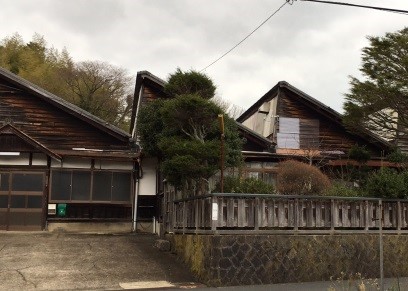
x=101 y=89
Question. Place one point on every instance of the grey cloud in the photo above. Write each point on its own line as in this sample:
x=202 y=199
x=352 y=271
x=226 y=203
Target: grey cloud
x=312 y=46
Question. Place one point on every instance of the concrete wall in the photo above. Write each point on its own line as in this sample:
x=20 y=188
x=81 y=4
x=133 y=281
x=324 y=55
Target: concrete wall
x=90 y=227
x=264 y=259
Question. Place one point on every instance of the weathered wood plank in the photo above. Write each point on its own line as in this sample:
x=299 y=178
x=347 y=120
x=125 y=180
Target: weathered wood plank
x=241 y=213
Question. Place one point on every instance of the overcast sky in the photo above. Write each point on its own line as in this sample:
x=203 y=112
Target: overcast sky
x=314 y=47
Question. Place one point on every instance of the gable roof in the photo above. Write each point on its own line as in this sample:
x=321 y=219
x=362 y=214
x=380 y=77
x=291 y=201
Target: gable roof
x=64 y=105
x=314 y=104
x=144 y=78
x=10 y=129
x=283 y=84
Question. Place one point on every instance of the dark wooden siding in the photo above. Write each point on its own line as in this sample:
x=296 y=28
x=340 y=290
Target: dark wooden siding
x=150 y=94
x=9 y=141
x=50 y=125
x=332 y=136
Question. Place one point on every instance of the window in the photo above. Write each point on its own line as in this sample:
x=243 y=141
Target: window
x=27 y=182
x=4 y=181
x=81 y=185
x=91 y=186
x=265 y=171
x=102 y=186
x=61 y=185
x=121 y=186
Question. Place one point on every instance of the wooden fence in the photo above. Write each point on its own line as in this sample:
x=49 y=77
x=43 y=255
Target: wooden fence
x=258 y=213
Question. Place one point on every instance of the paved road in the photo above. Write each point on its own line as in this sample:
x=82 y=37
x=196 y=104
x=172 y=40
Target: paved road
x=56 y=261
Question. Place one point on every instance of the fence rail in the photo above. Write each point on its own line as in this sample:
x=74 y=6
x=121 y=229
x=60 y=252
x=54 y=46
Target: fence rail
x=258 y=213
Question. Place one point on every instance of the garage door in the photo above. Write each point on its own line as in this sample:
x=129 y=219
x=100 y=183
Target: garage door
x=21 y=200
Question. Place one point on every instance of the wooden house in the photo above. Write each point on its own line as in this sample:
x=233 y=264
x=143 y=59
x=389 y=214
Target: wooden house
x=59 y=164
x=148 y=88
x=300 y=127
x=285 y=123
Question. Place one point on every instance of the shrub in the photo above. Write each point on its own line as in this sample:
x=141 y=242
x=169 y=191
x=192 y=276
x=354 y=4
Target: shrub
x=397 y=157
x=339 y=189
x=359 y=154
x=248 y=185
x=252 y=185
x=297 y=178
x=387 y=183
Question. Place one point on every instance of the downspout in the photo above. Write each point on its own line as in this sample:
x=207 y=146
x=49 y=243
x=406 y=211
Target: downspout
x=137 y=176
x=138 y=169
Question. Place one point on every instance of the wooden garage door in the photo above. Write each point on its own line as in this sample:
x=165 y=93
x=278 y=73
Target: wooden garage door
x=21 y=200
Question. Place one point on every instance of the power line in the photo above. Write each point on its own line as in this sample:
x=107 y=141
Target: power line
x=360 y=6
x=291 y=2
x=245 y=38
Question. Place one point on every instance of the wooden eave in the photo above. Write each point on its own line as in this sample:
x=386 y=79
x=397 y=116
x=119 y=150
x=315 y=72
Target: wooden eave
x=370 y=163
x=110 y=155
x=64 y=105
x=10 y=129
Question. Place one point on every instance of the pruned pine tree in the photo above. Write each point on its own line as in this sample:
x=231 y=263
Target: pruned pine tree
x=184 y=133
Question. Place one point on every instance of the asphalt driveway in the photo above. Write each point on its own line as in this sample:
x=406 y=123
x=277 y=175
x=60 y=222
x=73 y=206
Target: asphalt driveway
x=59 y=261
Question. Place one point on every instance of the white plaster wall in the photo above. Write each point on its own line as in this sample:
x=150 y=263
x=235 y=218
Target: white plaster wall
x=39 y=160
x=75 y=163
x=22 y=160
x=147 y=185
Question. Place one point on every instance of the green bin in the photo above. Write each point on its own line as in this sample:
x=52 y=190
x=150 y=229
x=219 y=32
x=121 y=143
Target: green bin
x=61 y=210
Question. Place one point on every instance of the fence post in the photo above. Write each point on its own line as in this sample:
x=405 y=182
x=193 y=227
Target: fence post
x=196 y=214
x=257 y=213
x=184 y=217
x=296 y=226
x=214 y=214
x=333 y=215
x=173 y=210
x=399 y=216
x=367 y=215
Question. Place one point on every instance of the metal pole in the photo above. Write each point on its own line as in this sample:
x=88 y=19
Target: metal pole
x=134 y=217
x=221 y=119
x=381 y=247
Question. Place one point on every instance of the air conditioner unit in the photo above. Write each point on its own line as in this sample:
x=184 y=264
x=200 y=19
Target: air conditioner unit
x=52 y=209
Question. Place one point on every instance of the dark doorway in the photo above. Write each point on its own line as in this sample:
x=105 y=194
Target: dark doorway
x=21 y=200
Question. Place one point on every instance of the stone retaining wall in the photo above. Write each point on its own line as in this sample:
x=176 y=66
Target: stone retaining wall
x=264 y=259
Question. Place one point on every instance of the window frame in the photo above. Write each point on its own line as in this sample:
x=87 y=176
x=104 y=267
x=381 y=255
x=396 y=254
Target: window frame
x=90 y=200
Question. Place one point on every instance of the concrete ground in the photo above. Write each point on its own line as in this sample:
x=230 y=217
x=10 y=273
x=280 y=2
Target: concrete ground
x=59 y=261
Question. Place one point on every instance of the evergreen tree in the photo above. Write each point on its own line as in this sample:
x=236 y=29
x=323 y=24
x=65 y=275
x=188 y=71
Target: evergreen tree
x=380 y=101
x=184 y=132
